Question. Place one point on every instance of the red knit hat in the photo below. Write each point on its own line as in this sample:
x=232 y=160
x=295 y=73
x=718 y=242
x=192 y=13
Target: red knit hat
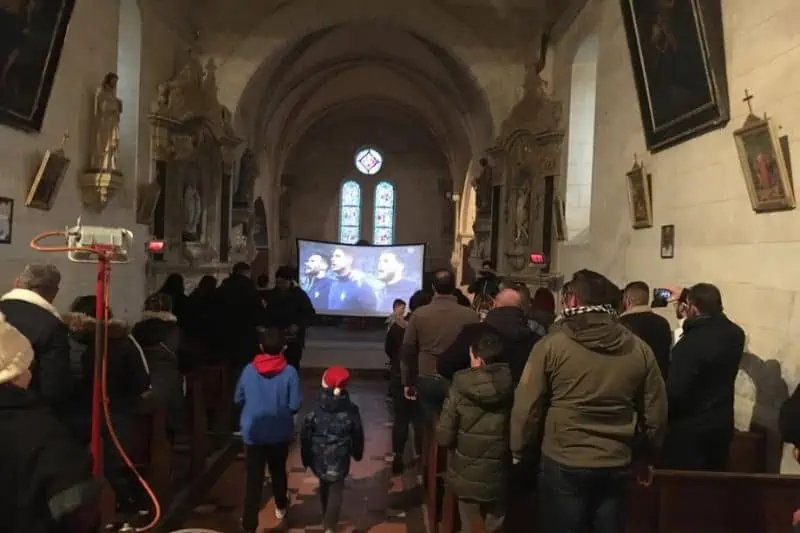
x=336 y=378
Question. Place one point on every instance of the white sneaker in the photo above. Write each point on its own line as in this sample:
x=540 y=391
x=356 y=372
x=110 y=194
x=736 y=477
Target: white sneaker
x=280 y=514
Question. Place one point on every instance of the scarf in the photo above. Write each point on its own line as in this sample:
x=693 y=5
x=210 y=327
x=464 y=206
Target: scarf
x=570 y=312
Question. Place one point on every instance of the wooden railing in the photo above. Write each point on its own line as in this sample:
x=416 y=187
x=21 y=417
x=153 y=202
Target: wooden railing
x=676 y=502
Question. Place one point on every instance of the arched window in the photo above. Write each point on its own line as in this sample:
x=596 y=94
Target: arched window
x=350 y=213
x=383 y=217
x=580 y=159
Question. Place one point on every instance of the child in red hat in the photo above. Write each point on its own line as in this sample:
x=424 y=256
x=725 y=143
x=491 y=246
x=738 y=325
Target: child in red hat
x=332 y=434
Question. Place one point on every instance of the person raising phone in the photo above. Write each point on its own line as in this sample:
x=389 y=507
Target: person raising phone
x=700 y=383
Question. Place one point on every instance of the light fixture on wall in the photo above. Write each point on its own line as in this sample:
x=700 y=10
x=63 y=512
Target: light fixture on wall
x=453 y=196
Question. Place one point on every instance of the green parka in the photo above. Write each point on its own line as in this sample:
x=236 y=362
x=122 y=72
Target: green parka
x=474 y=425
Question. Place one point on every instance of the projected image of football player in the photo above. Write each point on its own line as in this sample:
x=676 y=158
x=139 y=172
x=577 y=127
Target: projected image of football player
x=315 y=281
x=395 y=287
x=348 y=291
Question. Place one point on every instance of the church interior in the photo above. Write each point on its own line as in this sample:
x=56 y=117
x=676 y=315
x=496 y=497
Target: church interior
x=632 y=137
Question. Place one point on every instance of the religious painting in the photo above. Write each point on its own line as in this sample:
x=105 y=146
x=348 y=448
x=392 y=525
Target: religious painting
x=764 y=166
x=6 y=219
x=30 y=49
x=260 y=235
x=47 y=180
x=667 y=241
x=640 y=197
x=560 y=219
x=678 y=57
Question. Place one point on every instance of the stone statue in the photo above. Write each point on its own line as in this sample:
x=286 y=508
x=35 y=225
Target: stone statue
x=107 y=110
x=483 y=189
x=192 y=212
x=521 y=213
x=161 y=105
x=248 y=172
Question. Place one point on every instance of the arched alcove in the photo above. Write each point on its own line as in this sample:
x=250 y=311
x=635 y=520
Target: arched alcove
x=580 y=148
x=129 y=66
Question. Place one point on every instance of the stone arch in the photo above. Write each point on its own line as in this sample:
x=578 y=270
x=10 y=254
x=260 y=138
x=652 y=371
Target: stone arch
x=299 y=19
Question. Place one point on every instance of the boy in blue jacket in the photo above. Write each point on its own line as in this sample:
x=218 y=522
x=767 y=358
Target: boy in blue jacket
x=332 y=434
x=269 y=393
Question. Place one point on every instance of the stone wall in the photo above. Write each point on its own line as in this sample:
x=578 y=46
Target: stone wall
x=698 y=186
x=90 y=51
x=323 y=162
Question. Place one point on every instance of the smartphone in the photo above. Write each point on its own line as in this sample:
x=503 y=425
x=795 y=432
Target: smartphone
x=661 y=297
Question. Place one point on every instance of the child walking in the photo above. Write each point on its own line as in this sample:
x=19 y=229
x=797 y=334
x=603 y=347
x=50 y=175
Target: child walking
x=332 y=434
x=269 y=393
x=474 y=423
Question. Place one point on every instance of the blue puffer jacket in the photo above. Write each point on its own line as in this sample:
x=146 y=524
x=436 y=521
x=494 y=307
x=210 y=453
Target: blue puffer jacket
x=332 y=433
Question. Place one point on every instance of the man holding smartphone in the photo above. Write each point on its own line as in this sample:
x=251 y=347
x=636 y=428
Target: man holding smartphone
x=700 y=384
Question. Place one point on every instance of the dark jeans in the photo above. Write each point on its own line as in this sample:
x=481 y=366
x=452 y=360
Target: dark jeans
x=696 y=450
x=293 y=354
x=573 y=500
x=406 y=413
x=432 y=391
x=274 y=457
x=330 y=494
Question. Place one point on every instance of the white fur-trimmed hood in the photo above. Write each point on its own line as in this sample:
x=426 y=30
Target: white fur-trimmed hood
x=28 y=296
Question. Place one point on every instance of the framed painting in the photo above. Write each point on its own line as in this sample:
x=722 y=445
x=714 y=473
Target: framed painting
x=31 y=43
x=640 y=197
x=677 y=53
x=47 y=181
x=667 y=241
x=559 y=219
x=6 y=219
x=764 y=165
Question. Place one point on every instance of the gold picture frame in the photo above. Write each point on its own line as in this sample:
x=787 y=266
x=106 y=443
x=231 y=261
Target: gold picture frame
x=559 y=218
x=765 y=165
x=640 y=196
x=47 y=181
x=667 y=241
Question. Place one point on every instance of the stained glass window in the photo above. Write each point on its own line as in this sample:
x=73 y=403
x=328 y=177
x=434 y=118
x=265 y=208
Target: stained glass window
x=350 y=213
x=369 y=161
x=383 y=222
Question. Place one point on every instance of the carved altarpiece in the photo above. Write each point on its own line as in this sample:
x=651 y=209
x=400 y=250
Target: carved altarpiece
x=527 y=157
x=192 y=150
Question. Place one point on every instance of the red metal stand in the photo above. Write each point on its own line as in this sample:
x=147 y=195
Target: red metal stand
x=101 y=288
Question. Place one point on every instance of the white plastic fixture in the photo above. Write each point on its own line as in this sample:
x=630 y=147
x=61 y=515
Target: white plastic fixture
x=118 y=242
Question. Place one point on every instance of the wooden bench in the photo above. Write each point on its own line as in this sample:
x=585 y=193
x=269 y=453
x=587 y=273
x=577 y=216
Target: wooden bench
x=740 y=501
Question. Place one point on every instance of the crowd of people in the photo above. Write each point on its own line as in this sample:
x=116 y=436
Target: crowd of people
x=47 y=368
x=570 y=403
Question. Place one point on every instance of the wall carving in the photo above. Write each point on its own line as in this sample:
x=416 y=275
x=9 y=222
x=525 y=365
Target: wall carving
x=192 y=145
x=527 y=152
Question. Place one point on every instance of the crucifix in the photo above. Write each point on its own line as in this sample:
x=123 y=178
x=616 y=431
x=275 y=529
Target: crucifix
x=748 y=100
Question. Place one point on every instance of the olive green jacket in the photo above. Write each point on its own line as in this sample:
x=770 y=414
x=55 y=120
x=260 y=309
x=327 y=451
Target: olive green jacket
x=589 y=389
x=474 y=426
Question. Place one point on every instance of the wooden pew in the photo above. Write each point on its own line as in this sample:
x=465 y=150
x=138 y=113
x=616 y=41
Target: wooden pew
x=678 y=501
x=151 y=450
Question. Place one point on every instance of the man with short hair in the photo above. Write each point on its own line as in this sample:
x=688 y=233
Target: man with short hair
x=430 y=332
x=700 y=386
x=29 y=308
x=290 y=310
x=653 y=329
x=588 y=390
x=348 y=292
x=315 y=281
x=508 y=318
x=391 y=271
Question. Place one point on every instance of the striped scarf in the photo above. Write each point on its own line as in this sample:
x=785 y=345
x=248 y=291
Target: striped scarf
x=570 y=312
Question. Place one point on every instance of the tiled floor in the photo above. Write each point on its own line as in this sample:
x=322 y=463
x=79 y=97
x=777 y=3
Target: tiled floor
x=375 y=501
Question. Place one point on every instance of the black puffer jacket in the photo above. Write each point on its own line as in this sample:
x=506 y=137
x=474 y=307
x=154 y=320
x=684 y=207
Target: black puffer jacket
x=517 y=334
x=127 y=376
x=474 y=424
x=159 y=336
